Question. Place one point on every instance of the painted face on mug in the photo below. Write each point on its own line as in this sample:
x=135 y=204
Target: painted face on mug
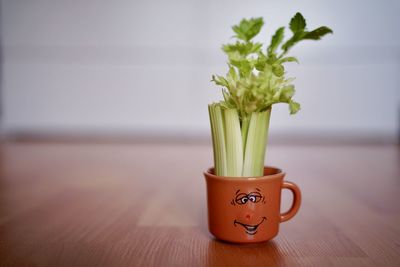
x=247 y=217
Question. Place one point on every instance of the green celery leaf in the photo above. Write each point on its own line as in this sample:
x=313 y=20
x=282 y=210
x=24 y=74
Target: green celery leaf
x=260 y=62
x=243 y=49
x=219 y=80
x=244 y=66
x=297 y=23
x=288 y=59
x=248 y=28
x=287 y=93
x=317 y=33
x=297 y=37
x=278 y=70
x=294 y=107
x=232 y=74
x=276 y=40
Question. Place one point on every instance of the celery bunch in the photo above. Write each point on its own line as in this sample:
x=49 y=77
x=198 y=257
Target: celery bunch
x=255 y=81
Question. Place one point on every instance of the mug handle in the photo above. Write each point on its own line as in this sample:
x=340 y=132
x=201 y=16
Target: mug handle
x=296 y=201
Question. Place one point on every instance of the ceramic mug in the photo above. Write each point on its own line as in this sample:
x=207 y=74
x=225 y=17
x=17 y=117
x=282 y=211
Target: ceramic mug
x=247 y=209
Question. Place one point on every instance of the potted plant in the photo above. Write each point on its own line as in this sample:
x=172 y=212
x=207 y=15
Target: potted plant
x=243 y=195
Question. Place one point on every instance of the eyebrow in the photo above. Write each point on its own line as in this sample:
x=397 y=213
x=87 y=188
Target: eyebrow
x=237 y=191
x=258 y=189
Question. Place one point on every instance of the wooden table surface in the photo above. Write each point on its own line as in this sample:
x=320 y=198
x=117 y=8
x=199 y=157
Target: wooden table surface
x=77 y=204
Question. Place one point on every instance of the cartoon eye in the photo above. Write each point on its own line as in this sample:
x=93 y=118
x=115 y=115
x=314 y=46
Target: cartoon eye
x=241 y=199
x=254 y=197
x=244 y=200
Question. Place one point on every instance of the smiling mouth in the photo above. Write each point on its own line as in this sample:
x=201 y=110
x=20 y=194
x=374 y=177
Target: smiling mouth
x=250 y=229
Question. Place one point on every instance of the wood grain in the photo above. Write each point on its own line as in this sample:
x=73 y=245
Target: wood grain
x=144 y=205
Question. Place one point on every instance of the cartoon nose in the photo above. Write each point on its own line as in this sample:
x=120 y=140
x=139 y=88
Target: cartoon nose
x=249 y=216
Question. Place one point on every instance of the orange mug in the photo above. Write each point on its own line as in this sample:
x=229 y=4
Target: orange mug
x=247 y=209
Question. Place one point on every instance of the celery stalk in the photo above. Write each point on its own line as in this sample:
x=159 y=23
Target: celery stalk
x=218 y=139
x=254 y=156
x=256 y=81
x=239 y=148
x=245 y=130
x=234 y=145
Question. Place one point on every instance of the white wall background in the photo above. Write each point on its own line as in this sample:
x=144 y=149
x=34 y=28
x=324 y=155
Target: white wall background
x=145 y=66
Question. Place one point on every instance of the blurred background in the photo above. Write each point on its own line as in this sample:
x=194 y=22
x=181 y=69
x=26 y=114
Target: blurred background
x=142 y=69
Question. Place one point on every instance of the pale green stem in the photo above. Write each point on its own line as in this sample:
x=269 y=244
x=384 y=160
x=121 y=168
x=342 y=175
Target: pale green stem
x=218 y=139
x=245 y=129
x=234 y=146
x=254 y=156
